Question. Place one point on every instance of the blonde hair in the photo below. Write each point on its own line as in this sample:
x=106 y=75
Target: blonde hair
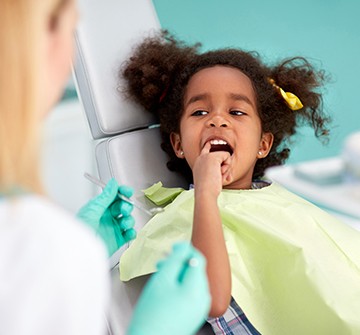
x=23 y=25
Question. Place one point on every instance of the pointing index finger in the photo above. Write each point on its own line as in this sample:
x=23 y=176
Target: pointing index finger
x=206 y=148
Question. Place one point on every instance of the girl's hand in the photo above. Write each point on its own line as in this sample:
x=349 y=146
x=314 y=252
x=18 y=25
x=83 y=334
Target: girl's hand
x=211 y=170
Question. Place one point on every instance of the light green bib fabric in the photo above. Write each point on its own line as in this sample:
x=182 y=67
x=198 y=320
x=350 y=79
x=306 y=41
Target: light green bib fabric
x=295 y=269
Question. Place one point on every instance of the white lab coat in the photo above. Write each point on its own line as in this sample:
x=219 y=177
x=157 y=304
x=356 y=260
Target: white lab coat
x=53 y=271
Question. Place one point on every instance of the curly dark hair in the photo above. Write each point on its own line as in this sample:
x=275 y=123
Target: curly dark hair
x=158 y=72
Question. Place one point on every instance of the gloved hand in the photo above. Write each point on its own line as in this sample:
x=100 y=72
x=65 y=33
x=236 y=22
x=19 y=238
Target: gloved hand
x=176 y=299
x=110 y=216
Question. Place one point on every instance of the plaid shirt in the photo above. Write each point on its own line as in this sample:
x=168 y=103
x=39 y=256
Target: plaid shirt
x=233 y=322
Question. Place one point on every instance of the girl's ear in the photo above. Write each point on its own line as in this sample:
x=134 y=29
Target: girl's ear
x=176 y=144
x=266 y=143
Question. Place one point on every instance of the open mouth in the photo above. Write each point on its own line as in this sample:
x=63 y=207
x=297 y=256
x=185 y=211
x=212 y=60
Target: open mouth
x=220 y=145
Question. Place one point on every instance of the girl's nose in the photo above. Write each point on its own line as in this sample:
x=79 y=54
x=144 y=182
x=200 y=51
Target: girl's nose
x=218 y=121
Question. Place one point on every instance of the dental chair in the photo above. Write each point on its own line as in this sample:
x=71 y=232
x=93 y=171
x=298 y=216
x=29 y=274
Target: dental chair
x=126 y=136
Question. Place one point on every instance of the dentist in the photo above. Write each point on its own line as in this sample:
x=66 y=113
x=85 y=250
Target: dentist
x=53 y=270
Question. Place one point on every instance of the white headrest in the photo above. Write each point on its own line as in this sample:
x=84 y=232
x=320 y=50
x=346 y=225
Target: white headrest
x=100 y=51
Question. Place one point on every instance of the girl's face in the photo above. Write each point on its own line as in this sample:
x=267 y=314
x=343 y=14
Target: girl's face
x=220 y=108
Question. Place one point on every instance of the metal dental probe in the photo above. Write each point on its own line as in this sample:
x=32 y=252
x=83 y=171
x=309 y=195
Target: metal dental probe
x=151 y=212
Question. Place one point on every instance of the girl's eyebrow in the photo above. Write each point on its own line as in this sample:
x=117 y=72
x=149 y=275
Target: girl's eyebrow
x=241 y=97
x=233 y=96
x=197 y=97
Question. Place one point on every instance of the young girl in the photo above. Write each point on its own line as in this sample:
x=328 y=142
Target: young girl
x=225 y=117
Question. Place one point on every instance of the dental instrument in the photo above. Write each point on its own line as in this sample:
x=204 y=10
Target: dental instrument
x=151 y=211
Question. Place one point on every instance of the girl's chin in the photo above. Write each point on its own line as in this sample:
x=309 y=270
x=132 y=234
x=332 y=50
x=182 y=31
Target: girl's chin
x=237 y=185
x=227 y=184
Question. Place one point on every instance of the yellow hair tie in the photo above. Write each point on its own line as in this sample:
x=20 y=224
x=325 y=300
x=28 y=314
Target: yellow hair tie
x=291 y=99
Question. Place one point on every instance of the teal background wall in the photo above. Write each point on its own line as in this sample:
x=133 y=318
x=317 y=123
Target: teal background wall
x=327 y=32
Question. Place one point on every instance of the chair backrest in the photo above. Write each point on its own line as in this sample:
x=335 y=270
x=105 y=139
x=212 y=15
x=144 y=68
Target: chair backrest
x=129 y=144
x=106 y=33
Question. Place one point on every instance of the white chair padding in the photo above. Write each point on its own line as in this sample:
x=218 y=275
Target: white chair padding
x=105 y=36
x=106 y=33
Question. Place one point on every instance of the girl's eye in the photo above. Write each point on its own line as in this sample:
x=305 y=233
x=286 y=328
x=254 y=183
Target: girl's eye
x=199 y=112
x=236 y=112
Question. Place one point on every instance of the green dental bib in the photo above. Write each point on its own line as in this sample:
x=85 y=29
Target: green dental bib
x=295 y=269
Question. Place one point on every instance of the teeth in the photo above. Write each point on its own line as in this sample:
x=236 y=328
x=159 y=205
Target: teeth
x=217 y=142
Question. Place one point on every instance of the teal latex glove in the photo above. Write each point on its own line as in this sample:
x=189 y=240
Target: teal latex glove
x=102 y=214
x=176 y=299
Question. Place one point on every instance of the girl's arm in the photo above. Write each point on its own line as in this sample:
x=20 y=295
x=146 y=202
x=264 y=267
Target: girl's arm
x=207 y=235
